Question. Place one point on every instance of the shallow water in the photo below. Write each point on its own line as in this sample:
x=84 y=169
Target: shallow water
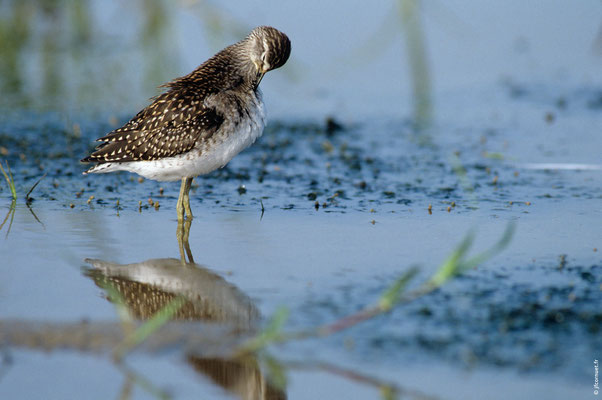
x=526 y=317
x=517 y=313
x=321 y=216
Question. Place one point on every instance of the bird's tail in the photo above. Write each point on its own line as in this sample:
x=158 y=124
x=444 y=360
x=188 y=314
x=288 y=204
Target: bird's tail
x=100 y=169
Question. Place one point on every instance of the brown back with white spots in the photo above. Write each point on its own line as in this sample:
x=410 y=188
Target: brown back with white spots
x=171 y=125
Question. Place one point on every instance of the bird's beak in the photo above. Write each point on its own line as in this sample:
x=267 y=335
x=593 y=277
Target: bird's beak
x=258 y=78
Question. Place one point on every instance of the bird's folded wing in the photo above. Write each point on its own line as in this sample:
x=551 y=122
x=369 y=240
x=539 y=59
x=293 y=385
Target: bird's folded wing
x=170 y=126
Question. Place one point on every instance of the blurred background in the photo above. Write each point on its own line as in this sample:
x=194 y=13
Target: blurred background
x=353 y=190
x=400 y=59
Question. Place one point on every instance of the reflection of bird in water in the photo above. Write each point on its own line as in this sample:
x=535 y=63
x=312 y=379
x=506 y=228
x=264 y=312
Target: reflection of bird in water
x=202 y=121
x=242 y=377
x=149 y=286
x=146 y=287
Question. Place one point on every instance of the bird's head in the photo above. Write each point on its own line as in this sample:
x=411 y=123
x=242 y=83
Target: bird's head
x=269 y=49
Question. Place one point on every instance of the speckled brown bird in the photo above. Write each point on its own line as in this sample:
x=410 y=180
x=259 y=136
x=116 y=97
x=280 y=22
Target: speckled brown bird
x=202 y=121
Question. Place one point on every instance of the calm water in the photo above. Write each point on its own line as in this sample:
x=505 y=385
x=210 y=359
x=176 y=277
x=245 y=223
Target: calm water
x=510 y=133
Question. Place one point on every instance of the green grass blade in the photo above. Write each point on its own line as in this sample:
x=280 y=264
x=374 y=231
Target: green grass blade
x=9 y=180
x=276 y=372
x=387 y=393
x=119 y=302
x=12 y=182
x=452 y=266
x=456 y=263
x=271 y=333
x=149 y=327
x=495 y=249
x=147 y=385
x=393 y=293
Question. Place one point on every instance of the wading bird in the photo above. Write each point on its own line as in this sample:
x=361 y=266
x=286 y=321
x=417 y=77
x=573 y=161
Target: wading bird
x=202 y=121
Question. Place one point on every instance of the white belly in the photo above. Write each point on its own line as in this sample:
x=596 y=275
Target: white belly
x=226 y=142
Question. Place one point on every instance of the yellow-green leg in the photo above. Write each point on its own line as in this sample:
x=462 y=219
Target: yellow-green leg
x=183 y=206
x=180 y=204
x=188 y=184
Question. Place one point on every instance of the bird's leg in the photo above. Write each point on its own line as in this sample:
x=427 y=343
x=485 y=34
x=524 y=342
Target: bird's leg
x=186 y=201
x=180 y=204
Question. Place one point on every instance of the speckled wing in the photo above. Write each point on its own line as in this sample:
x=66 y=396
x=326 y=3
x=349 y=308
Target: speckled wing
x=170 y=126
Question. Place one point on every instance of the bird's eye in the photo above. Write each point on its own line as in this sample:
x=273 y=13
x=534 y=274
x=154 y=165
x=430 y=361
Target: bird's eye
x=264 y=56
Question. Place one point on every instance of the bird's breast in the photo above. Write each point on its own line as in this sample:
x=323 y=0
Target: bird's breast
x=238 y=131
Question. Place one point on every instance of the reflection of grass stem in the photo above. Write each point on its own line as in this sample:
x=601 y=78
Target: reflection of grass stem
x=468 y=187
x=34 y=215
x=10 y=212
x=456 y=264
x=144 y=383
x=11 y=184
x=419 y=67
x=388 y=389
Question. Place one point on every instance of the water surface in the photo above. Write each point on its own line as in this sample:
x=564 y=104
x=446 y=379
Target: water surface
x=340 y=197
